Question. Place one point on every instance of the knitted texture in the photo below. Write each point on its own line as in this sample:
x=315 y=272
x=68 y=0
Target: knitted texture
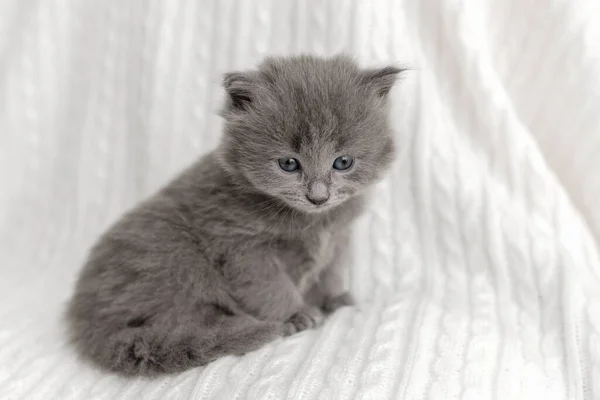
x=476 y=268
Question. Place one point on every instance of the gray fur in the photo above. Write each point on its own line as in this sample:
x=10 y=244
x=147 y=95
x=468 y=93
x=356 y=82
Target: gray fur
x=232 y=255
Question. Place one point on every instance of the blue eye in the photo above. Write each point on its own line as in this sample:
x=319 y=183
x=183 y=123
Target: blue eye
x=343 y=163
x=289 y=164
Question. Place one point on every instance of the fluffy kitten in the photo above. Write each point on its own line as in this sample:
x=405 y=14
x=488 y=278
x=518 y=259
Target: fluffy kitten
x=249 y=243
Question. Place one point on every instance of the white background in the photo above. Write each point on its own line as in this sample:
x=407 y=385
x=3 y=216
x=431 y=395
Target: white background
x=476 y=268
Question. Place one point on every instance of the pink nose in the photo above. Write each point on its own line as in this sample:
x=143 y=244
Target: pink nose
x=317 y=201
x=318 y=193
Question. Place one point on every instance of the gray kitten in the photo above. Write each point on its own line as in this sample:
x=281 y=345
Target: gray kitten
x=248 y=244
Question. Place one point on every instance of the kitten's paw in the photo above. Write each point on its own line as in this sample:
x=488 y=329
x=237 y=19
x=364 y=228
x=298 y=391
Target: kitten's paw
x=308 y=318
x=333 y=303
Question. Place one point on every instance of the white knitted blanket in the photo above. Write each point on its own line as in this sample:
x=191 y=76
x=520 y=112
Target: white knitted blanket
x=477 y=267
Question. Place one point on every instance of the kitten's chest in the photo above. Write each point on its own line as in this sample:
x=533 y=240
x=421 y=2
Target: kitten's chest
x=304 y=258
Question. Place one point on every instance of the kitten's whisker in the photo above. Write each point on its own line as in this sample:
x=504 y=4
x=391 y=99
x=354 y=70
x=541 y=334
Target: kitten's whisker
x=268 y=204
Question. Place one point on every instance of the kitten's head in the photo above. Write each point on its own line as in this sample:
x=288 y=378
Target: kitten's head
x=312 y=132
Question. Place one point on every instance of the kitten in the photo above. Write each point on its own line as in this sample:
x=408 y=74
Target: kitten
x=250 y=243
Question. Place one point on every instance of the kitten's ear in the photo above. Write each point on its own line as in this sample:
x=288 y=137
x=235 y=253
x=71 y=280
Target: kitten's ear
x=240 y=88
x=381 y=80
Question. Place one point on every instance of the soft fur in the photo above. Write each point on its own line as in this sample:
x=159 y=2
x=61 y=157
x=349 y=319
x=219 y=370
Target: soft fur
x=232 y=254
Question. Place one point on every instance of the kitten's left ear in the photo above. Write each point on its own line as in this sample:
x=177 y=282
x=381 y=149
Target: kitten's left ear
x=381 y=80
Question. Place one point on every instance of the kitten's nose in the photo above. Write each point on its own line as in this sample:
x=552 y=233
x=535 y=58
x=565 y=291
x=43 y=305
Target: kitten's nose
x=318 y=193
x=317 y=201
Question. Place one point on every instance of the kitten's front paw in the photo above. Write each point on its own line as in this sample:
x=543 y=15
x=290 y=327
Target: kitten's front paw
x=333 y=303
x=309 y=318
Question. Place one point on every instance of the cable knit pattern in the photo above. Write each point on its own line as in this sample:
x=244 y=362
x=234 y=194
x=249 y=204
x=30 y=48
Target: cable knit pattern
x=476 y=267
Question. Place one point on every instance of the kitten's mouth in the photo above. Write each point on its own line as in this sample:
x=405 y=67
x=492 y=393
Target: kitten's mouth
x=308 y=207
x=317 y=208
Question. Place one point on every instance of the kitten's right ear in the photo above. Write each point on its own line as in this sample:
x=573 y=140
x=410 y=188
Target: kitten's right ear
x=240 y=88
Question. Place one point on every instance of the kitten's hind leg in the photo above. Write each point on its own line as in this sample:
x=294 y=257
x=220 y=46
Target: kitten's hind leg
x=162 y=347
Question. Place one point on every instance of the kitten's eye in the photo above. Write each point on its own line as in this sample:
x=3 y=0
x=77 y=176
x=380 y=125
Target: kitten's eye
x=289 y=164
x=343 y=163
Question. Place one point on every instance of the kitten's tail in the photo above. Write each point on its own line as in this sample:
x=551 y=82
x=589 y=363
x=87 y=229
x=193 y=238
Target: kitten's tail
x=146 y=350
